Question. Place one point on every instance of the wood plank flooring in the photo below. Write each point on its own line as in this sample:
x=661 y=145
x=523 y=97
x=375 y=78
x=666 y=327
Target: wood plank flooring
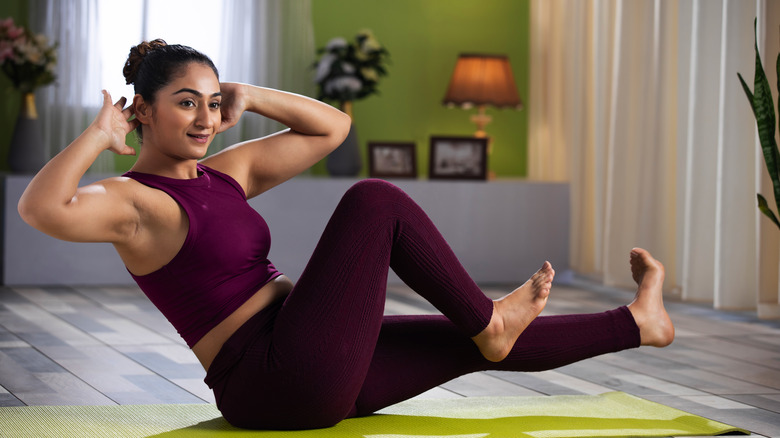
x=102 y=346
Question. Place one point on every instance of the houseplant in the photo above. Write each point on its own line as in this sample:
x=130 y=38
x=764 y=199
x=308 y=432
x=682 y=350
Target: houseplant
x=28 y=60
x=763 y=110
x=345 y=72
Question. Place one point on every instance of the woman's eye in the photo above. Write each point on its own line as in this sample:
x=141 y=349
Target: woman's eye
x=187 y=103
x=216 y=104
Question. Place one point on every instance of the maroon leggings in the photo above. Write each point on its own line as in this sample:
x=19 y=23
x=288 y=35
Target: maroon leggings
x=326 y=352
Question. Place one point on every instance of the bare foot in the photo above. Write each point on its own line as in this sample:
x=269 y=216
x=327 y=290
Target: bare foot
x=655 y=326
x=513 y=313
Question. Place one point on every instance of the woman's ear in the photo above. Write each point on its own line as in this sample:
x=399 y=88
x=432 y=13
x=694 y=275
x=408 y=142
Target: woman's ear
x=142 y=110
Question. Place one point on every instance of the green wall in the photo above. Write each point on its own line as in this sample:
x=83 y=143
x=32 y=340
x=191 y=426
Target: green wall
x=9 y=98
x=424 y=38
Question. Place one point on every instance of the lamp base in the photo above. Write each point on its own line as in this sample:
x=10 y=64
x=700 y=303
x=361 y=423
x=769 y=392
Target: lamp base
x=481 y=119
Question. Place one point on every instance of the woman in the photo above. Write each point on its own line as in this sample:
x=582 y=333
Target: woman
x=284 y=356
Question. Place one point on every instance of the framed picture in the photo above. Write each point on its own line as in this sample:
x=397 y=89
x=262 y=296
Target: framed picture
x=458 y=158
x=392 y=160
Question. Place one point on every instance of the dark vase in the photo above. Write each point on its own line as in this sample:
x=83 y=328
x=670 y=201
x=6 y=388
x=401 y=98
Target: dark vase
x=27 y=153
x=346 y=159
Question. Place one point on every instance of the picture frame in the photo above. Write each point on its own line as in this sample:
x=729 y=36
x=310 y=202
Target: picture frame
x=392 y=159
x=458 y=158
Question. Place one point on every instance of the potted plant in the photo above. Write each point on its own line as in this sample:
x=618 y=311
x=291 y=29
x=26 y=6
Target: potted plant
x=28 y=60
x=345 y=72
x=763 y=110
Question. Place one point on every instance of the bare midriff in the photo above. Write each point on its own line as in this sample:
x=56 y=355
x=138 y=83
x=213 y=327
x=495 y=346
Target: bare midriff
x=208 y=346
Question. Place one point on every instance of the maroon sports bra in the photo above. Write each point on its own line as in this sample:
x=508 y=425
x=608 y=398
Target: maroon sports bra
x=224 y=258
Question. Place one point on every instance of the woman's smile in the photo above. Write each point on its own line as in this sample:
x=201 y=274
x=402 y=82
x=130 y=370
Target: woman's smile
x=200 y=138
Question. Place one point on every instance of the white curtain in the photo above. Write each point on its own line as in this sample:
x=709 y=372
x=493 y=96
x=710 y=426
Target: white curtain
x=268 y=43
x=638 y=105
x=67 y=107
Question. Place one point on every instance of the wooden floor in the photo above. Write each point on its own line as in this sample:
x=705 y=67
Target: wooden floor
x=95 y=346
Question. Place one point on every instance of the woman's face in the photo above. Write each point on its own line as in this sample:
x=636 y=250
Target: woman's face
x=186 y=114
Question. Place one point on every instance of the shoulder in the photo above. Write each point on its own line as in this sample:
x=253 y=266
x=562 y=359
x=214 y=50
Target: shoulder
x=116 y=188
x=225 y=180
x=119 y=188
x=130 y=199
x=229 y=163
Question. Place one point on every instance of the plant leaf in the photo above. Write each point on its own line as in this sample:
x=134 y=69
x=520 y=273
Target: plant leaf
x=748 y=93
x=763 y=108
x=777 y=154
x=764 y=207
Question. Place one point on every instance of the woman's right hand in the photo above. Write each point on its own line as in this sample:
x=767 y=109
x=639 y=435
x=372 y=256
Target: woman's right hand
x=55 y=202
x=113 y=121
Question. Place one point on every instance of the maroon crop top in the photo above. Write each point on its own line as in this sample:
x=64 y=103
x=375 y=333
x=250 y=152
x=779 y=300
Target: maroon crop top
x=224 y=258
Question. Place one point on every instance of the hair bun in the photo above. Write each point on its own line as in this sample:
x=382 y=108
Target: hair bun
x=136 y=57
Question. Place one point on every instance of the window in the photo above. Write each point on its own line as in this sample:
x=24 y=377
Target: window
x=122 y=25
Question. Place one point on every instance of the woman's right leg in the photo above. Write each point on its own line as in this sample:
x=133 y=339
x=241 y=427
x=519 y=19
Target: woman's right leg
x=323 y=339
x=309 y=368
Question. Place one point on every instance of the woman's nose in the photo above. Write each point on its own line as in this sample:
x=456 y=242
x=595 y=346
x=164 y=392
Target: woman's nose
x=205 y=118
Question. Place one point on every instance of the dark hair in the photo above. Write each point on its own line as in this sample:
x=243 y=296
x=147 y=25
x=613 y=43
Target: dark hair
x=152 y=65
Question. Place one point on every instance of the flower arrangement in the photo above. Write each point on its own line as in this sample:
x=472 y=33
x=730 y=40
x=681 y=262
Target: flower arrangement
x=26 y=58
x=348 y=71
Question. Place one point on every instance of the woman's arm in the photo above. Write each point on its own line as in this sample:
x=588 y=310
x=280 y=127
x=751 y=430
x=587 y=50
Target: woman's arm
x=53 y=202
x=315 y=130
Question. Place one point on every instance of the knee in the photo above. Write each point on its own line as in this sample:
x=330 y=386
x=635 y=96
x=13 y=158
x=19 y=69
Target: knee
x=369 y=191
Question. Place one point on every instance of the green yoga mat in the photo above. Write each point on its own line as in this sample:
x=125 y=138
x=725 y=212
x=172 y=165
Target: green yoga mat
x=606 y=415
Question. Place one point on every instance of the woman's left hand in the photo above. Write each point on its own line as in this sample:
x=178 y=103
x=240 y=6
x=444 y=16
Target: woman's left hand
x=233 y=104
x=314 y=129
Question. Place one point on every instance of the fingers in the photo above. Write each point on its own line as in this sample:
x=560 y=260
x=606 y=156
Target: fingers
x=121 y=102
x=127 y=150
x=133 y=123
x=128 y=112
x=225 y=125
x=107 y=100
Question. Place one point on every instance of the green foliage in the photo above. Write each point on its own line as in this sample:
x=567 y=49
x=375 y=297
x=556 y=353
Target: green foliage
x=764 y=112
x=348 y=71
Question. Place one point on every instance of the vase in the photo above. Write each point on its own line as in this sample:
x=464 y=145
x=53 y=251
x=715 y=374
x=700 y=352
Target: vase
x=346 y=159
x=27 y=153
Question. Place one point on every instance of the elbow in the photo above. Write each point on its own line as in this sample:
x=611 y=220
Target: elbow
x=35 y=214
x=341 y=129
x=28 y=212
x=42 y=218
x=25 y=210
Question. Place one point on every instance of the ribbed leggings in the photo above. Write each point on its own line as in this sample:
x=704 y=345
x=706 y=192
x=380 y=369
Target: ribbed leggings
x=326 y=352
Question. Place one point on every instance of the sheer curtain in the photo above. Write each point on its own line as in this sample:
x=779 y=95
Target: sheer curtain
x=68 y=107
x=268 y=43
x=637 y=104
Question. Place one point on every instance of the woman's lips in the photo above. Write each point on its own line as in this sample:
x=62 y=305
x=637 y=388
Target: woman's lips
x=200 y=138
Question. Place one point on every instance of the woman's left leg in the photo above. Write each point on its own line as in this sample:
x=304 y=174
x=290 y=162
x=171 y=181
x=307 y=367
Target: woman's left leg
x=417 y=353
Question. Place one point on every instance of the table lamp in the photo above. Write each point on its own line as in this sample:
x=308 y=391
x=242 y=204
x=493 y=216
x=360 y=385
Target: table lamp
x=481 y=80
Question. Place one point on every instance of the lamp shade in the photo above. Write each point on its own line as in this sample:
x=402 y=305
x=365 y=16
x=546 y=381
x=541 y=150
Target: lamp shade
x=480 y=80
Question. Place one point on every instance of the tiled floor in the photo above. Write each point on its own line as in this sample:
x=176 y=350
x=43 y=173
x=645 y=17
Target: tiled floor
x=111 y=346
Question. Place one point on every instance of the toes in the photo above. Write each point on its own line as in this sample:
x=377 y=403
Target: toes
x=545 y=271
x=642 y=256
x=642 y=261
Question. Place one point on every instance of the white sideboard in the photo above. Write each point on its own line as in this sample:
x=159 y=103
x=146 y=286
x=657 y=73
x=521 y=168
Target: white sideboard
x=501 y=230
